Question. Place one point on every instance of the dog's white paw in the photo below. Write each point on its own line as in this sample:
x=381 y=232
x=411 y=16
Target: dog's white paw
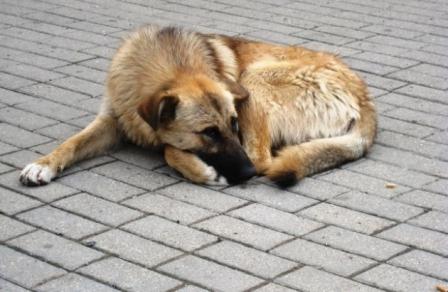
x=35 y=174
x=214 y=178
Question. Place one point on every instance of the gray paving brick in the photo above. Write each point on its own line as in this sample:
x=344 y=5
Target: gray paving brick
x=8 y=286
x=357 y=243
x=276 y=219
x=397 y=279
x=100 y=185
x=5 y=168
x=72 y=283
x=12 y=202
x=127 y=276
x=363 y=183
x=317 y=189
x=53 y=248
x=271 y=196
x=247 y=259
x=24 y=119
x=338 y=50
x=425 y=200
x=45 y=193
x=54 y=93
x=439 y=137
x=377 y=48
x=311 y=279
x=13 y=82
x=25 y=270
x=61 y=222
x=139 y=156
x=133 y=248
x=86 y=87
x=420 y=78
x=51 y=109
x=424 y=92
x=20 y=158
x=6 y=148
x=386 y=59
x=172 y=234
x=404 y=127
x=31 y=72
x=392 y=31
x=273 y=288
x=191 y=288
x=202 y=197
x=332 y=260
x=342 y=31
x=244 y=232
x=98 y=63
x=98 y=209
x=376 y=206
x=423 y=262
x=275 y=37
x=210 y=275
x=60 y=131
x=414 y=103
x=432 y=220
x=19 y=137
x=168 y=208
x=382 y=82
x=11 y=228
x=366 y=66
x=346 y=218
x=426 y=239
x=133 y=175
x=439 y=186
x=391 y=173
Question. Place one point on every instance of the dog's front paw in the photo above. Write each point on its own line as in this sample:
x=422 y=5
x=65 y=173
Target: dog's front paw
x=214 y=178
x=35 y=174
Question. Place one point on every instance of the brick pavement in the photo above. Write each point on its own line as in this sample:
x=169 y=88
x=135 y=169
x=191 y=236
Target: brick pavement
x=126 y=222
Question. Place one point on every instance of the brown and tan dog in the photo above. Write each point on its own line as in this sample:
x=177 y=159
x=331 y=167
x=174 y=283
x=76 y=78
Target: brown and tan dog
x=225 y=109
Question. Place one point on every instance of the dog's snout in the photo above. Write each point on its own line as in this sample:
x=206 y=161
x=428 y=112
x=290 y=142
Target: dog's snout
x=247 y=173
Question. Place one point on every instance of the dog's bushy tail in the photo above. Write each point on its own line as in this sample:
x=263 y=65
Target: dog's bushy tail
x=297 y=161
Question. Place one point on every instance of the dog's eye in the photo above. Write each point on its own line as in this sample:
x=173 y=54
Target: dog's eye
x=234 y=124
x=211 y=132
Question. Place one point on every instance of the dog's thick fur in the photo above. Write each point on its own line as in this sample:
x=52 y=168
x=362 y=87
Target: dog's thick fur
x=299 y=111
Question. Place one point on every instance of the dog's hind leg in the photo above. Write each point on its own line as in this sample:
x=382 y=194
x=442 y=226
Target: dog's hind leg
x=192 y=167
x=96 y=138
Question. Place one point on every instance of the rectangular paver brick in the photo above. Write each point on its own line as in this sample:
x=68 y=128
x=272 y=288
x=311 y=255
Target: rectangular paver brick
x=317 y=189
x=439 y=186
x=244 y=232
x=346 y=218
x=210 y=274
x=172 y=234
x=127 y=276
x=432 y=220
x=19 y=137
x=423 y=262
x=53 y=248
x=247 y=259
x=425 y=200
x=11 y=202
x=73 y=282
x=51 y=109
x=11 y=228
x=355 y=242
x=8 y=286
x=276 y=219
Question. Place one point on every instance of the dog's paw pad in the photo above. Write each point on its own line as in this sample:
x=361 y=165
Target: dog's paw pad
x=35 y=174
x=214 y=178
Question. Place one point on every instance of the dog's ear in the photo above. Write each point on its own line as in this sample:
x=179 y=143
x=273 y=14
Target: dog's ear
x=239 y=92
x=158 y=111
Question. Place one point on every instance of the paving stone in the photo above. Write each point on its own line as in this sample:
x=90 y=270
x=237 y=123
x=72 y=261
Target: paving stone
x=273 y=288
x=247 y=259
x=72 y=283
x=98 y=209
x=423 y=262
x=414 y=103
x=332 y=260
x=432 y=220
x=14 y=82
x=376 y=206
x=60 y=131
x=170 y=233
x=426 y=239
x=24 y=119
x=100 y=185
x=133 y=175
x=424 y=93
x=397 y=279
x=346 y=218
x=440 y=186
x=202 y=197
x=54 y=93
x=12 y=202
x=168 y=208
x=392 y=173
x=417 y=117
x=276 y=219
x=53 y=248
x=210 y=274
x=51 y=109
x=20 y=158
x=45 y=193
x=317 y=189
x=61 y=222
x=439 y=137
x=5 y=168
x=311 y=279
x=11 y=228
x=363 y=183
x=25 y=270
x=375 y=68
x=6 y=148
x=420 y=78
x=425 y=200
x=404 y=127
x=133 y=248
x=127 y=276
x=253 y=235
x=271 y=196
x=357 y=243
x=144 y=158
x=191 y=288
x=19 y=137
x=10 y=287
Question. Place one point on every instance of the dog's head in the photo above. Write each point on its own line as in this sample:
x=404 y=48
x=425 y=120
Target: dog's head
x=198 y=114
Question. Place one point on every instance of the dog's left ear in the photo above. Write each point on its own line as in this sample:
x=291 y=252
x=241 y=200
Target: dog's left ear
x=158 y=110
x=239 y=92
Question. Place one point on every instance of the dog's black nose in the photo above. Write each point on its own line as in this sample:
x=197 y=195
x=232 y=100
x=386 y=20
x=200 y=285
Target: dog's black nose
x=247 y=172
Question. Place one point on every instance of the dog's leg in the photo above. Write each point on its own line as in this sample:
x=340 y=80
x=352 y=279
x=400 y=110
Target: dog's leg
x=96 y=138
x=192 y=167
